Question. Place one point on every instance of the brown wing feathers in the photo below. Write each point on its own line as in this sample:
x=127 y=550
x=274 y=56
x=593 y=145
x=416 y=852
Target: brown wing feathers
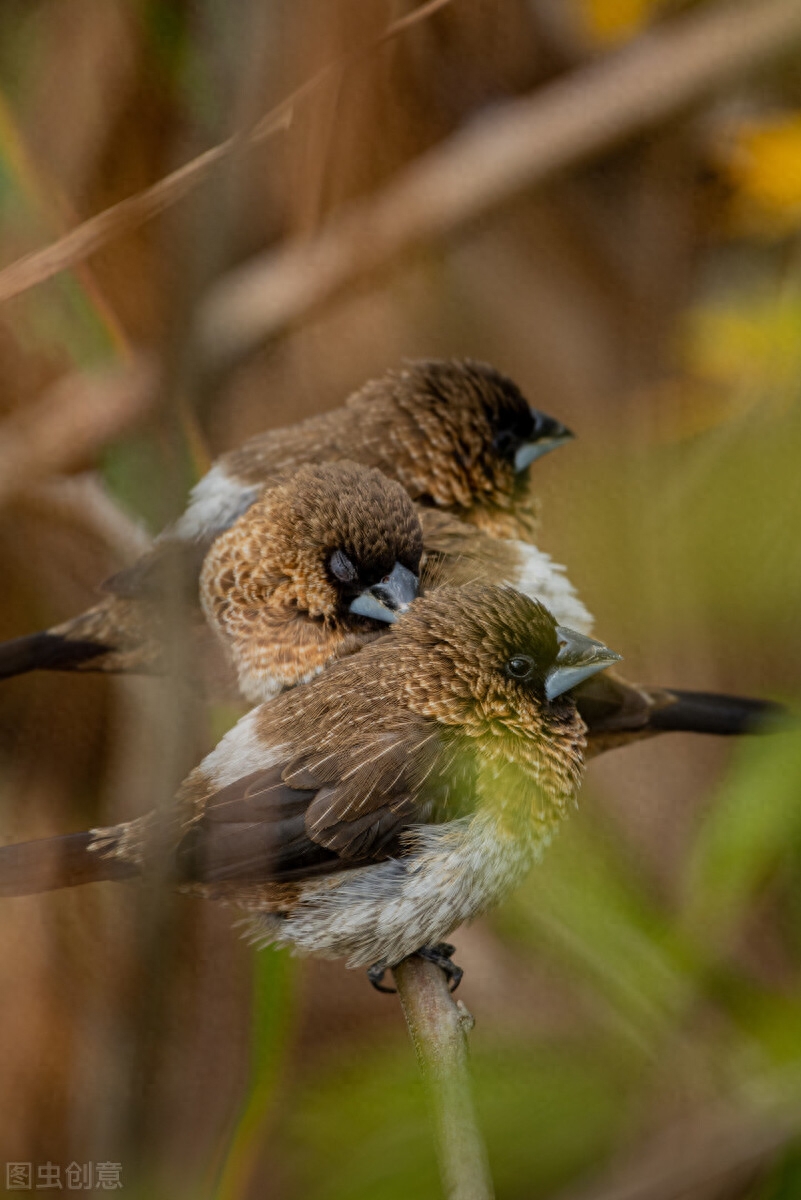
x=318 y=812
x=252 y=831
x=358 y=769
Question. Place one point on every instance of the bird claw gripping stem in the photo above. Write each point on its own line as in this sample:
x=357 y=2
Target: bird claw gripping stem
x=441 y=955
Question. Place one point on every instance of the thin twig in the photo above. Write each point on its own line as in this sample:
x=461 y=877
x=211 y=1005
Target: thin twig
x=91 y=235
x=83 y=501
x=438 y=1027
x=521 y=144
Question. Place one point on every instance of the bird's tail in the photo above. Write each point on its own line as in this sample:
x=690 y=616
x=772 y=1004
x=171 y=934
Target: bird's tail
x=711 y=712
x=617 y=712
x=46 y=652
x=57 y=862
x=112 y=636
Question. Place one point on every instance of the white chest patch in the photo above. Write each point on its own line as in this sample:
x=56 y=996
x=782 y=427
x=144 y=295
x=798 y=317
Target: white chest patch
x=382 y=913
x=542 y=579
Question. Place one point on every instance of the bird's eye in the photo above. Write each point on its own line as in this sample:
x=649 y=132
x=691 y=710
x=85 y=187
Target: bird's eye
x=520 y=667
x=505 y=443
x=517 y=427
x=342 y=568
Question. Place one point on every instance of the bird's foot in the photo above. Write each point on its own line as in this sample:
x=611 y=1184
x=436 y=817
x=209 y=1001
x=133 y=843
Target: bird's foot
x=441 y=955
x=376 y=975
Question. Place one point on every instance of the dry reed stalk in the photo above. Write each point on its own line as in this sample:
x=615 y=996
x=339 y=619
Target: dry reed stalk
x=91 y=235
x=518 y=146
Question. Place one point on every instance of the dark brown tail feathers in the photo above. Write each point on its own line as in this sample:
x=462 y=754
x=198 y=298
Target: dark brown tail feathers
x=46 y=652
x=616 y=711
x=709 y=712
x=57 y=862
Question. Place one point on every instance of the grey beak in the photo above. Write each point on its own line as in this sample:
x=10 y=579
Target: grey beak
x=548 y=435
x=385 y=600
x=578 y=658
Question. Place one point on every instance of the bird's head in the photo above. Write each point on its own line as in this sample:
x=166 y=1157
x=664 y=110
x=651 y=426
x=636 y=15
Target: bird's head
x=495 y=665
x=338 y=543
x=459 y=433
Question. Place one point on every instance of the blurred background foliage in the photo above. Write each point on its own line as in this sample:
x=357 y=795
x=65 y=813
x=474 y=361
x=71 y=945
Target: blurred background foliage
x=638 y=1002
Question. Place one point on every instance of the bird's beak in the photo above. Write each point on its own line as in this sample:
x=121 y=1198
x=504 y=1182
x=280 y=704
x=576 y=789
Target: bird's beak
x=384 y=601
x=550 y=434
x=578 y=658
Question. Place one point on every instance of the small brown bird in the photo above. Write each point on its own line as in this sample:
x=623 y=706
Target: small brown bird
x=261 y=637
x=371 y=812
x=458 y=436
x=314 y=569
x=615 y=711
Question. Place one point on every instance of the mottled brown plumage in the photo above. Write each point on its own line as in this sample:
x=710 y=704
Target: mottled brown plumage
x=371 y=811
x=269 y=585
x=458 y=436
x=447 y=431
x=276 y=608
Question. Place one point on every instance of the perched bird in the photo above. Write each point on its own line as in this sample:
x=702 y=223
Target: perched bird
x=271 y=586
x=615 y=711
x=458 y=436
x=371 y=812
x=315 y=568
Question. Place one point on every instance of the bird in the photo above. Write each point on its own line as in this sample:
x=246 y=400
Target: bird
x=320 y=565
x=616 y=711
x=458 y=436
x=316 y=568
x=267 y=595
x=366 y=815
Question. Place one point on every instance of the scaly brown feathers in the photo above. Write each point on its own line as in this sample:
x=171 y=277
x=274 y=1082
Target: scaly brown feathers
x=268 y=586
x=445 y=430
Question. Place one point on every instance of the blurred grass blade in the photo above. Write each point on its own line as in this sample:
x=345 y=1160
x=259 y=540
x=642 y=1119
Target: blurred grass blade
x=273 y=997
x=754 y=820
x=91 y=235
x=583 y=907
x=84 y=324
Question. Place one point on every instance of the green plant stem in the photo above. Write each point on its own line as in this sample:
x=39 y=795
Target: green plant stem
x=438 y=1027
